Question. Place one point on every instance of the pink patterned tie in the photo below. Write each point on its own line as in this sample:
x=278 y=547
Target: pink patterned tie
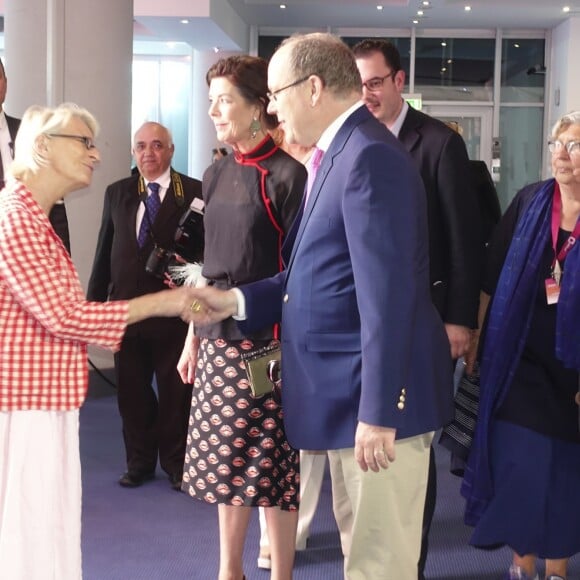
x=312 y=166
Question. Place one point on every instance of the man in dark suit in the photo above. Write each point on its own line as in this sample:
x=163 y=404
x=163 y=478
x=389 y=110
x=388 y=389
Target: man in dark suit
x=8 y=129
x=489 y=206
x=455 y=252
x=130 y=230
x=365 y=355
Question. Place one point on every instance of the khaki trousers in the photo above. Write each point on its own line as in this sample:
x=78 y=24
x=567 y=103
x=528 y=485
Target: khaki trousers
x=380 y=515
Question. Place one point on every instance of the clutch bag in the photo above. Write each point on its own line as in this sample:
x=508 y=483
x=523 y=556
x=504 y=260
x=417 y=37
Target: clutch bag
x=257 y=365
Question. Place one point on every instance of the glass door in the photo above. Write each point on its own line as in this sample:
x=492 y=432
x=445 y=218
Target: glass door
x=475 y=123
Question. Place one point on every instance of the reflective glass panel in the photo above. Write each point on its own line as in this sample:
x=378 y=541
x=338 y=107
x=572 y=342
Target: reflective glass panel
x=523 y=74
x=522 y=140
x=454 y=69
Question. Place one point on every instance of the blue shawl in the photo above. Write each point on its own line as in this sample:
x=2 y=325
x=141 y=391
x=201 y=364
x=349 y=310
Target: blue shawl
x=507 y=330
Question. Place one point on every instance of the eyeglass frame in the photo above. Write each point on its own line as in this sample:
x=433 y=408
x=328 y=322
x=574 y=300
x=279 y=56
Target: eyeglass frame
x=381 y=80
x=556 y=146
x=273 y=95
x=86 y=141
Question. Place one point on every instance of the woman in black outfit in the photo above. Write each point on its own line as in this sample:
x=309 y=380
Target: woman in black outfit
x=237 y=453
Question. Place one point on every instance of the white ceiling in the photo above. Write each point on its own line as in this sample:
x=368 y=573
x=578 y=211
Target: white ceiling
x=204 y=32
x=400 y=13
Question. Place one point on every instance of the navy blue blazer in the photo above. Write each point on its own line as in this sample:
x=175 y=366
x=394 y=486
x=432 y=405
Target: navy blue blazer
x=361 y=339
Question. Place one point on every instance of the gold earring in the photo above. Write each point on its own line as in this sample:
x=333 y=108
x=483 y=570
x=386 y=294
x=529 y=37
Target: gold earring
x=255 y=127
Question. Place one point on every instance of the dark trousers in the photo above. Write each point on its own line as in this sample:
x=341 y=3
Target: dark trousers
x=428 y=512
x=153 y=424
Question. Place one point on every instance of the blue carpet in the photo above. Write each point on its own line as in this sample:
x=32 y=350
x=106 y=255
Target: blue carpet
x=156 y=533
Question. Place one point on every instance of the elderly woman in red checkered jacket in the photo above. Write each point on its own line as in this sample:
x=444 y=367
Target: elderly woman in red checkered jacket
x=45 y=326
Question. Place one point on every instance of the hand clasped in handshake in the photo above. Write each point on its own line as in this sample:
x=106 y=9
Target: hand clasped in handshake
x=210 y=305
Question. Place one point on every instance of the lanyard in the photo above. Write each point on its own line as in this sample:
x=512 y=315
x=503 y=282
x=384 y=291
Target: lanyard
x=569 y=243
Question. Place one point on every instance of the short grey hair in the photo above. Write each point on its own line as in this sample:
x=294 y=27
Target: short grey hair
x=163 y=127
x=572 y=118
x=327 y=57
x=36 y=122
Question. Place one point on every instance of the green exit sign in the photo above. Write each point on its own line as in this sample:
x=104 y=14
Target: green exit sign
x=414 y=100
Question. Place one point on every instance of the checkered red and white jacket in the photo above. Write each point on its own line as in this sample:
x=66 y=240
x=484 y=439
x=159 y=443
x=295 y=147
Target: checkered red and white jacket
x=45 y=320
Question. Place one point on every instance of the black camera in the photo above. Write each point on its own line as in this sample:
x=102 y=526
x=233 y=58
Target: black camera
x=159 y=261
x=187 y=243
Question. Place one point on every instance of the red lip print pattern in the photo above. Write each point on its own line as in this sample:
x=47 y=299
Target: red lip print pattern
x=237 y=452
x=226 y=431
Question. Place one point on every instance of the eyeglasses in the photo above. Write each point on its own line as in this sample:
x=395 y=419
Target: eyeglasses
x=572 y=147
x=376 y=83
x=86 y=141
x=273 y=96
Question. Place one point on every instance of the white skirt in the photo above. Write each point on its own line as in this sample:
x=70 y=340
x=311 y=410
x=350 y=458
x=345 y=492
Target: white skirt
x=40 y=495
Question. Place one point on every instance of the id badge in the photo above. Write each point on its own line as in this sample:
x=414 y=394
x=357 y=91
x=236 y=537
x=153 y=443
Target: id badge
x=552 y=291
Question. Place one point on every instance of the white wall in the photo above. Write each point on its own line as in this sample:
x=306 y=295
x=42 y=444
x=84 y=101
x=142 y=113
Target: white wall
x=563 y=70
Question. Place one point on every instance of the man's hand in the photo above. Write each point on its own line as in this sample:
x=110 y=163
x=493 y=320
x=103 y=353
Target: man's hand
x=471 y=355
x=211 y=305
x=374 y=446
x=459 y=339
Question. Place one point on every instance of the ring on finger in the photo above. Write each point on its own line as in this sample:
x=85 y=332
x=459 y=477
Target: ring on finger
x=195 y=306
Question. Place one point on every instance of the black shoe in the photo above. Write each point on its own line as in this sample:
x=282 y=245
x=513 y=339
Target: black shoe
x=175 y=480
x=135 y=478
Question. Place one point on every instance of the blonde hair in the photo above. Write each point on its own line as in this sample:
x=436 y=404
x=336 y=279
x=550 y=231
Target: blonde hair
x=37 y=122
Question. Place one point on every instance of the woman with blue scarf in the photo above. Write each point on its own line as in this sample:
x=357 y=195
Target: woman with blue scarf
x=522 y=480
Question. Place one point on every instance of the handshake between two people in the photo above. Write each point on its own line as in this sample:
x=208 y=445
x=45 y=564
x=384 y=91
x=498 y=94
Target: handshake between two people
x=210 y=305
x=199 y=305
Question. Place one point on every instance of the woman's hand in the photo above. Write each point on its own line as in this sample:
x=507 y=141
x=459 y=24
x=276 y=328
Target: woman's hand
x=166 y=303
x=188 y=360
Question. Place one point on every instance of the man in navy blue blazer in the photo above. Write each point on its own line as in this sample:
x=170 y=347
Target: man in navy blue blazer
x=366 y=367
x=453 y=214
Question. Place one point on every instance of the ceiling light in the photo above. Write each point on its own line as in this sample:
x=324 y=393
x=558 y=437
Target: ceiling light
x=282 y=6
x=449 y=60
x=420 y=13
x=415 y=22
x=443 y=69
x=443 y=43
x=184 y=21
x=566 y=9
x=216 y=49
x=516 y=45
x=379 y=7
x=426 y=3
x=467 y=9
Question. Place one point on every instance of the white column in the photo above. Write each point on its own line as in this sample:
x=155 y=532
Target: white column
x=564 y=83
x=78 y=52
x=202 y=131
